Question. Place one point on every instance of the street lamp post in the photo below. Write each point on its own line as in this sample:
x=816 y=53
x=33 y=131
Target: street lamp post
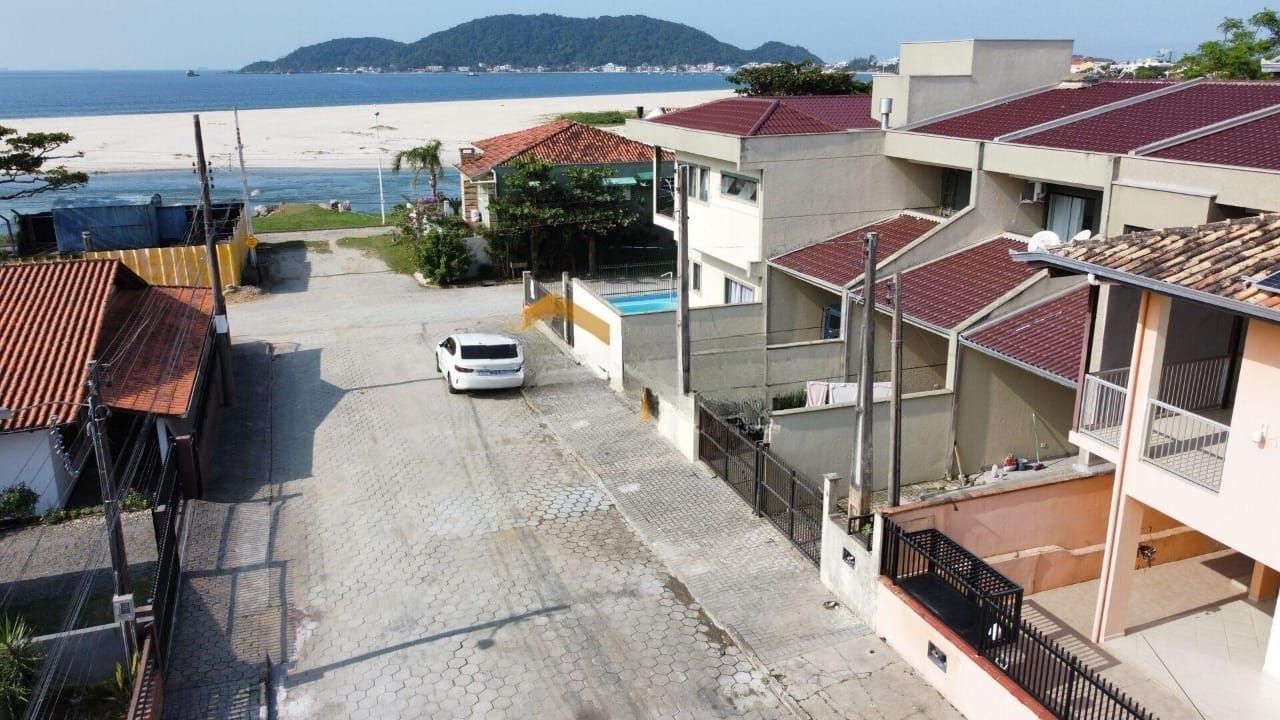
x=377 y=134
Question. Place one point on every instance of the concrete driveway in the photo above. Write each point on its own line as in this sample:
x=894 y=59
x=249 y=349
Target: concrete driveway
x=402 y=552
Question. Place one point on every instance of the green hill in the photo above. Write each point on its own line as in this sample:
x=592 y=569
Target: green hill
x=527 y=41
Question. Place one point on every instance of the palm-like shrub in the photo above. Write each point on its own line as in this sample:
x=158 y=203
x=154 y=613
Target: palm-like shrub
x=19 y=664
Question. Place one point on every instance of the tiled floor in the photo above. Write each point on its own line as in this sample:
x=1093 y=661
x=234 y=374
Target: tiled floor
x=1195 y=644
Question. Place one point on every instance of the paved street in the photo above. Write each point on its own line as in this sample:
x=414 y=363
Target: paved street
x=401 y=552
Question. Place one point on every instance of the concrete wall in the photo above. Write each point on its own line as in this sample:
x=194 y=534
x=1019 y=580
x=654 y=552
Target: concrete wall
x=597 y=335
x=939 y=77
x=1153 y=208
x=88 y=655
x=994 y=404
x=1047 y=533
x=727 y=350
x=796 y=308
x=1242 y=187
x=817 y=441
x=27 y=457
x=791 y=366
x=848 y=569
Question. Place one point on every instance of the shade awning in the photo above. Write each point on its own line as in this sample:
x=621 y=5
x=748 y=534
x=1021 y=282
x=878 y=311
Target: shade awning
x=620 y=181
x=644 y=175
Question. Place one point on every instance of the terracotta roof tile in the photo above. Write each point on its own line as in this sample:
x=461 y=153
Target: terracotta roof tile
x=1215 y=258
x=754 y=116
x=161 y=345
x=1254 y=144
x=991 y=122
x=838 y=261
x=1160 y=118
x=946 y=292
x=563 y=142
x=1046 y=336
x=50 y=319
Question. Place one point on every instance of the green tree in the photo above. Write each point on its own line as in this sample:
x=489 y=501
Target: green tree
x=594 y=207
x=1146 y=72
x=19 y=665
x=1244 y=45
x=23 y=159
x=788 y=78
x=443 y=255
x=421 y=159
x=529 y=208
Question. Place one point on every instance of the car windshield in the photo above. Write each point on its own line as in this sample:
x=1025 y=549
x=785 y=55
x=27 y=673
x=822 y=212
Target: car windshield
x=488 y=352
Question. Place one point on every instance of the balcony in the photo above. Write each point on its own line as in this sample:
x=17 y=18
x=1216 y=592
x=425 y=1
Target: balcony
x=1102 y=405
x=1188 y=445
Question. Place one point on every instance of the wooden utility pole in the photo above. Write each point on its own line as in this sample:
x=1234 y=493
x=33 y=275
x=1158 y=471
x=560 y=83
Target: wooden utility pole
x=222 y=337
x=682 y=278
x=244 y=187
x=895 y=404
x=122 y=603
x=863 y=468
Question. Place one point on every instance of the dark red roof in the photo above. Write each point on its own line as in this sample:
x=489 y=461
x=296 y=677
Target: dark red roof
x=991 y=122
x=1046 y=336
x=1160 y=118
x=753 y=116
x=1254 y=144
x=838 y=261
x=157 y=351
x=952 y=289
x=563 y=142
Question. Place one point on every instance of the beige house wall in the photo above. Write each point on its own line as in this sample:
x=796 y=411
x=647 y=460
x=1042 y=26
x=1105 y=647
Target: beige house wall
x=932 y=149
x=796 y=308
x=1153 y=207
x=1241 y=187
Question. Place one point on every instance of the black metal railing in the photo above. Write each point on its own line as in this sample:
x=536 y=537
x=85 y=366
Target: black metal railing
x=167 y=510
x=773 y=489
x=985 y=608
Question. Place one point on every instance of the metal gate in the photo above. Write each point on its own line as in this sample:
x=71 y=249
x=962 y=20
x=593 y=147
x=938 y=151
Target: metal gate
x=167 y=509
x=540 y=289
x=773 y=489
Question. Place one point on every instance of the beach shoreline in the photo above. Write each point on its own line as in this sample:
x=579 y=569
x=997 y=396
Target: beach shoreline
x=316 y=138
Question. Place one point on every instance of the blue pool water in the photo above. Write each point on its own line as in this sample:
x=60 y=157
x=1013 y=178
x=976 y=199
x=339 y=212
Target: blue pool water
x=651 y=302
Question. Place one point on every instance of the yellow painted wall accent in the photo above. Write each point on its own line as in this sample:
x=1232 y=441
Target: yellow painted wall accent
x=552 y=305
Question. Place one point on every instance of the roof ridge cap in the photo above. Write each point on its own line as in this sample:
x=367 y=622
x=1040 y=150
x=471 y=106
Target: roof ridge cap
x=764 y=117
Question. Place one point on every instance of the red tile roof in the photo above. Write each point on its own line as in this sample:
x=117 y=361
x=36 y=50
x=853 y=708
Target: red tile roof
x=1160 y=118
x=1254 y=144
x=754 y=116
x=838 y=261
x=563 y=142
x=157 y=352
x=1046 y=336
x=946 y=292
x=50 y=320
x=991 y=122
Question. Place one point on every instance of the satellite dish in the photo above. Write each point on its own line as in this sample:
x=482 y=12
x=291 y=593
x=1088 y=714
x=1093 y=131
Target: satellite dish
x=1043 y=240
x=1081 y=236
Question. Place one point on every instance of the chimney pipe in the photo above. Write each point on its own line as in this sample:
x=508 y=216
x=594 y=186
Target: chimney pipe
x=886 y=109
x=640 y=112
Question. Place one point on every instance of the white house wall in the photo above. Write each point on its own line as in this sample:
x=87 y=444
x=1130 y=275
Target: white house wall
x=27 y=457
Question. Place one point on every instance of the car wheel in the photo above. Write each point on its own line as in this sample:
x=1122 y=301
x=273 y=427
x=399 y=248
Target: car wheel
x=449 y=381
x=437 y=363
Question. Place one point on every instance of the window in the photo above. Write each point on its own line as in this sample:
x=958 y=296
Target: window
x=955 y=190
x=1134 y=228
x=699 y=182
x=696 y=276
x=736 y=293
x=489 y=352
x=1068 y=213
x=739 y=187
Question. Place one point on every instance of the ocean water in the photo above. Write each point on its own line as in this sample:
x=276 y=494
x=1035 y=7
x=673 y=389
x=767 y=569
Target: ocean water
x=267 y=186
x=59 y=93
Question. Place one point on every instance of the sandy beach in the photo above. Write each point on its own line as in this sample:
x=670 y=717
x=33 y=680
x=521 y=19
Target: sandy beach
x=319 y=137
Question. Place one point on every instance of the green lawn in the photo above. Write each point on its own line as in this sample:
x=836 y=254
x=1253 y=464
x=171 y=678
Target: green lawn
x=398 y=256
x=312 y=217
x=599 y=117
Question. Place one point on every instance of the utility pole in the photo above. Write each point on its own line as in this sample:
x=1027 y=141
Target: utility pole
x=122 y=603
x=222 y=338
x=244 y=187
x=377 y=142
x=866 y=378
x=682 y=278
x=895 y=403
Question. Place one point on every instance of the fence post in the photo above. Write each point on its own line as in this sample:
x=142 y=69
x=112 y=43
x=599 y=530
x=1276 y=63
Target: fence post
x=526 y=279
x=566 y=291
x=757 y=473
x=791 y=507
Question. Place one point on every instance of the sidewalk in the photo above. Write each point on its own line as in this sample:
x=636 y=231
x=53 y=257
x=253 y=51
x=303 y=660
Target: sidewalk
x=745 y=574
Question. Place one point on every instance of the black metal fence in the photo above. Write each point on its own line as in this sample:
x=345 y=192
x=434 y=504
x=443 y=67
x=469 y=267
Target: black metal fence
x=985 y=608
x=167 y=509
x=772 y=488
x=539 y=289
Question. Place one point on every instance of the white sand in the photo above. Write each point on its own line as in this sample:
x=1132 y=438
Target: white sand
x=320 y=137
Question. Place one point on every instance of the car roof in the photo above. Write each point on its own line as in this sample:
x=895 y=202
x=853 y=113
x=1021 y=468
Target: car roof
x=484 y=339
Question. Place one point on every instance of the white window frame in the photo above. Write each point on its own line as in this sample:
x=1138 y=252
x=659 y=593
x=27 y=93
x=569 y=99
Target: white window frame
x=695 y=276
x=742 y=289
x=743 y=178
x=699 y=182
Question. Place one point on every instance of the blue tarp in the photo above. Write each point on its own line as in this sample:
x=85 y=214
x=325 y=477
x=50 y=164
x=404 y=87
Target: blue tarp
x=118 y=227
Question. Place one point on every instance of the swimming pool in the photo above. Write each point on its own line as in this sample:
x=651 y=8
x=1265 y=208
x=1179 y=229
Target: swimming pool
x=649 y=302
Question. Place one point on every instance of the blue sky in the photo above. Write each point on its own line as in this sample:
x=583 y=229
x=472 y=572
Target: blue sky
x=231 y=33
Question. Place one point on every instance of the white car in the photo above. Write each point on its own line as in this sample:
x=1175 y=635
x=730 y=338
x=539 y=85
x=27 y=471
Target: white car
x=475 y=361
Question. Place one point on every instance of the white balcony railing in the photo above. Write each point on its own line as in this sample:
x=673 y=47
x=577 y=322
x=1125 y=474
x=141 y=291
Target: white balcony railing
x=1188 y=445
x=1102 y=406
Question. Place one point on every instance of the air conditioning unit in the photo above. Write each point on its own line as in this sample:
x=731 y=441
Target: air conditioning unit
x=1032 y=192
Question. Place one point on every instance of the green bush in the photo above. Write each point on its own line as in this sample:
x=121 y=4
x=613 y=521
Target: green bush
x=134 y=500
x=18 y=502
x=788 y=401
x=443 y=256
x=19 y=665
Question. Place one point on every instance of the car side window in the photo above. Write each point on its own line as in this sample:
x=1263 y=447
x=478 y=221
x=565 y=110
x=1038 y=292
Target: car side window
x=449 y=346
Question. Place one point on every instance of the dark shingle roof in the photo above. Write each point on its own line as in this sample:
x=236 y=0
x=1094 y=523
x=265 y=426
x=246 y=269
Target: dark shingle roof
x=1046 y=336
x=754 y=116
x=838 y=261
x=1253 y=144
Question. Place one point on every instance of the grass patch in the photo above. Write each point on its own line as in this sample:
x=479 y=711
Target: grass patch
x=598 y=117
x=291 y=218
x=400 y=257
